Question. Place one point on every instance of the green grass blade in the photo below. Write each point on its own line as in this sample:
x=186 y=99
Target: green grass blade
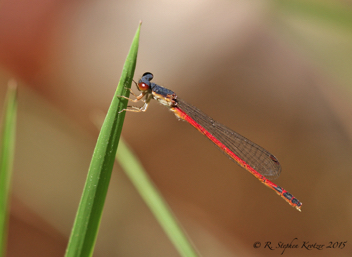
x=6 y=159
x=86 y=225
x=154 y=200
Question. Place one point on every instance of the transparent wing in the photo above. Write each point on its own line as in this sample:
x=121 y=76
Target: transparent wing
x=255 y=156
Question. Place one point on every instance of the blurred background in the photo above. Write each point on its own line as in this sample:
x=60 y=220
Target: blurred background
x=277 y=72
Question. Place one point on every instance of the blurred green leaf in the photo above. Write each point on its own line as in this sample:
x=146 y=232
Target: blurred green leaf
x=330 y=11
x=322 y=31
x=151 y=196
x=6 y=159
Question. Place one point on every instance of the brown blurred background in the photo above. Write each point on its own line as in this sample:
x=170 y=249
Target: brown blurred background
x=278 y=72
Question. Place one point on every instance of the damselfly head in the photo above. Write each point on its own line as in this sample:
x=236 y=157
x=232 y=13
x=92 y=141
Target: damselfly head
x=144 y=82
x=148 y=76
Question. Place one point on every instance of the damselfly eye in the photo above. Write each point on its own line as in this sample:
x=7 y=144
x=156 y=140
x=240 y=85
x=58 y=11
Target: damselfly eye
x=147 y=75
x=143 y=86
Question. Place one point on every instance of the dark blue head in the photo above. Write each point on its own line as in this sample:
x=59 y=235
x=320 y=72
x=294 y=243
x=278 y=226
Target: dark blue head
x=144 y=83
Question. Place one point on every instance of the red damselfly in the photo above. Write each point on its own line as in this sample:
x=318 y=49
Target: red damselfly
x=258 y=161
